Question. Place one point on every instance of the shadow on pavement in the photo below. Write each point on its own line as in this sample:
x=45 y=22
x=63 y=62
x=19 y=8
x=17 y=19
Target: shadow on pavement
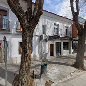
x=60 y=63
x=67 y=61
x=65 y=57
x=37 y=65
x=1 y=85
x=10 y=75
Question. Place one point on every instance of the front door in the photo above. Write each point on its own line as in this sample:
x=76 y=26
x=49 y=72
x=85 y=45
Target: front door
x=58 y=48
x=51 y=49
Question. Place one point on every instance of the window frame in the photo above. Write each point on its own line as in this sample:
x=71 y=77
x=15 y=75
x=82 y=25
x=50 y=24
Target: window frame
x=56 y=29
x=66 y=30
x=5 y=24
x=66 y=46
x=44 y=29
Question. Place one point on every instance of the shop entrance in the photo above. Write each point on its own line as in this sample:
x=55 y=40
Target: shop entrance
x=58 y=48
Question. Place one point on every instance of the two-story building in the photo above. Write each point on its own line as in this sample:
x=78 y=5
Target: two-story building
x=51 y=38
x=53 y=35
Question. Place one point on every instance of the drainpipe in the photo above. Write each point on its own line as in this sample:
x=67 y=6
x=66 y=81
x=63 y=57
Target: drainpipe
x=5 y=58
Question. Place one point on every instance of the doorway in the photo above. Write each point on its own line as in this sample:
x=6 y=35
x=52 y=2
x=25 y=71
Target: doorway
x=58 y=48
x=51 y=49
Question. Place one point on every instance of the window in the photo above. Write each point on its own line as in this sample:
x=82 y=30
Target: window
x=66 y=30
x=44 y=29
x=65 y=45
x=4 y=21
x=56 y=29
x=20 y=47
x=75 y=45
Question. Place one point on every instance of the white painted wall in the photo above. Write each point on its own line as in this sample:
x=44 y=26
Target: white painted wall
x=13 y=45
x=12 y=37
x=15 y=49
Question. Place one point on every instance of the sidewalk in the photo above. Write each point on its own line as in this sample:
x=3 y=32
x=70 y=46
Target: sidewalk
x=59 y=71
x=11 y=71
x=76 y=81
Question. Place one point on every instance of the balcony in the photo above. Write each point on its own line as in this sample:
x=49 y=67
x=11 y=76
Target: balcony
x=4 y=24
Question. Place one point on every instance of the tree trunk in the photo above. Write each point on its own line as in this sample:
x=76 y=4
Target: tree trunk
x=81 y=34
x=28 y=20
x=80 y=51
x=24 y=72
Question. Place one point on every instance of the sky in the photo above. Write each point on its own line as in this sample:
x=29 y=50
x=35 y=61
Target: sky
x=62 y=8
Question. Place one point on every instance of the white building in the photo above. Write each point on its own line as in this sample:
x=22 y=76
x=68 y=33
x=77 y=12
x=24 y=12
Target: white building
x=8 y=29
x=52 y=35
x=58 y=31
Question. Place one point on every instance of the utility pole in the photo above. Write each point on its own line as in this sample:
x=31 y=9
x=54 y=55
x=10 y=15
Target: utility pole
x=5 y=58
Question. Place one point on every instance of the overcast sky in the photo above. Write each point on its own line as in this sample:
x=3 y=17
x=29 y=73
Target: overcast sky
x=62 y=7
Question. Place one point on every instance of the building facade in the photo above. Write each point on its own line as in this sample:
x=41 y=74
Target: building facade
x=54 y=35
x=51 y=38
x=8 y=28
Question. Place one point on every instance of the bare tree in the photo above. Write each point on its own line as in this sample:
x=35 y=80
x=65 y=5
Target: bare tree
x=28 y=21
x=81 y=34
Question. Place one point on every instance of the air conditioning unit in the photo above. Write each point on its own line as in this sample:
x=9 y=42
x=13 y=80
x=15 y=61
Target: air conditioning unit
x=43 y=37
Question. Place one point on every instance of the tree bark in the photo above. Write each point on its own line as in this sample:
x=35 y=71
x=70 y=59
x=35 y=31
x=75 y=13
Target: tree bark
x=24 y=72
x=28 y=21
x=25 y=60
x=81 y=35
x=80 y=51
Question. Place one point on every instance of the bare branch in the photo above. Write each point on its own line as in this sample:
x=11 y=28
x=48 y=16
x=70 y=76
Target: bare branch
x=29 y=9
x=77 y=6
x=37 y=13
x=17 y=9
x=39 y=9
x=35 y=7
x=75 y=14
x=72 y=6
